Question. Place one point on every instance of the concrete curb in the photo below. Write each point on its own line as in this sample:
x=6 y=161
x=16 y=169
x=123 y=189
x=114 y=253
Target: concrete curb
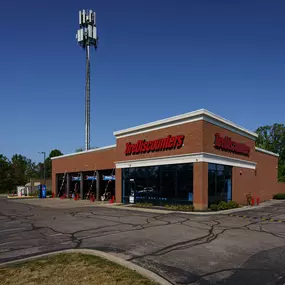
x=21 y=197
x=142 y=271
x=225 y=212
x=148 y=210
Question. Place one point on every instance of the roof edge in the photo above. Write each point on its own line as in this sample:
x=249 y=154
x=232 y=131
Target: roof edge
x=201 y=114
x=266 y=151
x=85 y=151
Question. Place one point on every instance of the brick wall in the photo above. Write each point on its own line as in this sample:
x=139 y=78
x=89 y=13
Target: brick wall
x=210 y=130
x=90 y=161
x=193 y=133
x=200 y=185
x=261 y=182
x=199 y=137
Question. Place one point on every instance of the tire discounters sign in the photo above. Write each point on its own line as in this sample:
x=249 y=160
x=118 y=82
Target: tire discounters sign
x=143 y=146
x=228 y=144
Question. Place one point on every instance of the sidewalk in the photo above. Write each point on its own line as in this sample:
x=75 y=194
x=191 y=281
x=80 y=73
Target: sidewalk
x=61 y=203
x=225 y=212
x=70 y=203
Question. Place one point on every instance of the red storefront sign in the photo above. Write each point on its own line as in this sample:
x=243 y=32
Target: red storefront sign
x=228 y=144
x=143 y=146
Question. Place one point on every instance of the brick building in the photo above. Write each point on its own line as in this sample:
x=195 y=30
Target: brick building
x=197 y=157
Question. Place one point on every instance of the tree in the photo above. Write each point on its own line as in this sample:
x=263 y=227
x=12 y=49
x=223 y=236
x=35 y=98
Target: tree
x=31 y=170
x=272 y=138
x=23 y=169
x=6 y=175
x=19 y=167
x=40 y=170
x=53 y=153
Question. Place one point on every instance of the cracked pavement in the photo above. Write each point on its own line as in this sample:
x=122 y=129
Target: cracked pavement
x=184 y=249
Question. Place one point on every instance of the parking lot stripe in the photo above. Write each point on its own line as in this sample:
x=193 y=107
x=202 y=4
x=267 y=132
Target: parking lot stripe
x=5 y=243
x=59 y=234
x=10 y=230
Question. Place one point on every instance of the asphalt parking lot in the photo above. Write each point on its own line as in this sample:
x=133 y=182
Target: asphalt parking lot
x=184 y=249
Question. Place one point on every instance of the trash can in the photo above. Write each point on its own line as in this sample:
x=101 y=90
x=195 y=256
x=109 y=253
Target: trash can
x=44 y=191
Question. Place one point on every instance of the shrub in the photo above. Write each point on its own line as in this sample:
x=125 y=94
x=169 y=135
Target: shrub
x=214 y=207
x=48 y=193
x=248 y=198
x=171 y=207
x=143 y=205
x=184 y=208
x=223 y=206
x=279 y=196
x=233 y=204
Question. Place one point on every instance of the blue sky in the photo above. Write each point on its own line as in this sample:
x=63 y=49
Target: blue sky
x=155 y=59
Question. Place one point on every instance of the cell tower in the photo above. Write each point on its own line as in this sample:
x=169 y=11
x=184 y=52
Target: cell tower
x=86 y=37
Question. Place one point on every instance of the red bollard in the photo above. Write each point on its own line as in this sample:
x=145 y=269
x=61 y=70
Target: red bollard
x=257 y=200
x=92 y=198
x=111 y=201
x=252 y=201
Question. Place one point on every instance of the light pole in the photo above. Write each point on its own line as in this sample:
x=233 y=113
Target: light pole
x=44 y=153
x=86 y=37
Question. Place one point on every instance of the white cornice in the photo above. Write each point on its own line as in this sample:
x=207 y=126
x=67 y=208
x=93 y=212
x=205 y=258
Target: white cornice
x=266 y=151
x=188 y=158
x=85 y=151
x=198 y=115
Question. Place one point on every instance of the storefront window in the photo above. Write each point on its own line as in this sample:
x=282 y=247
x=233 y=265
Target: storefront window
x=165 y=184
x=219 y=183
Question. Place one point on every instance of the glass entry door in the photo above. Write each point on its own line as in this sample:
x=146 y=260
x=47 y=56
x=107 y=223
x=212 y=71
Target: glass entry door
x=219 y=183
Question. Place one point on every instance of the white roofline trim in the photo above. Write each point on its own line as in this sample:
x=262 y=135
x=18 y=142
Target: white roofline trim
x=266 y=151
x=201 y=114
x=188 y=158
x=85 y=151
x=177 y=123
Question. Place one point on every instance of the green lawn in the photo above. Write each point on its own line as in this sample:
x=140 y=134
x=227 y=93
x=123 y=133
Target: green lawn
x=69 y=269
